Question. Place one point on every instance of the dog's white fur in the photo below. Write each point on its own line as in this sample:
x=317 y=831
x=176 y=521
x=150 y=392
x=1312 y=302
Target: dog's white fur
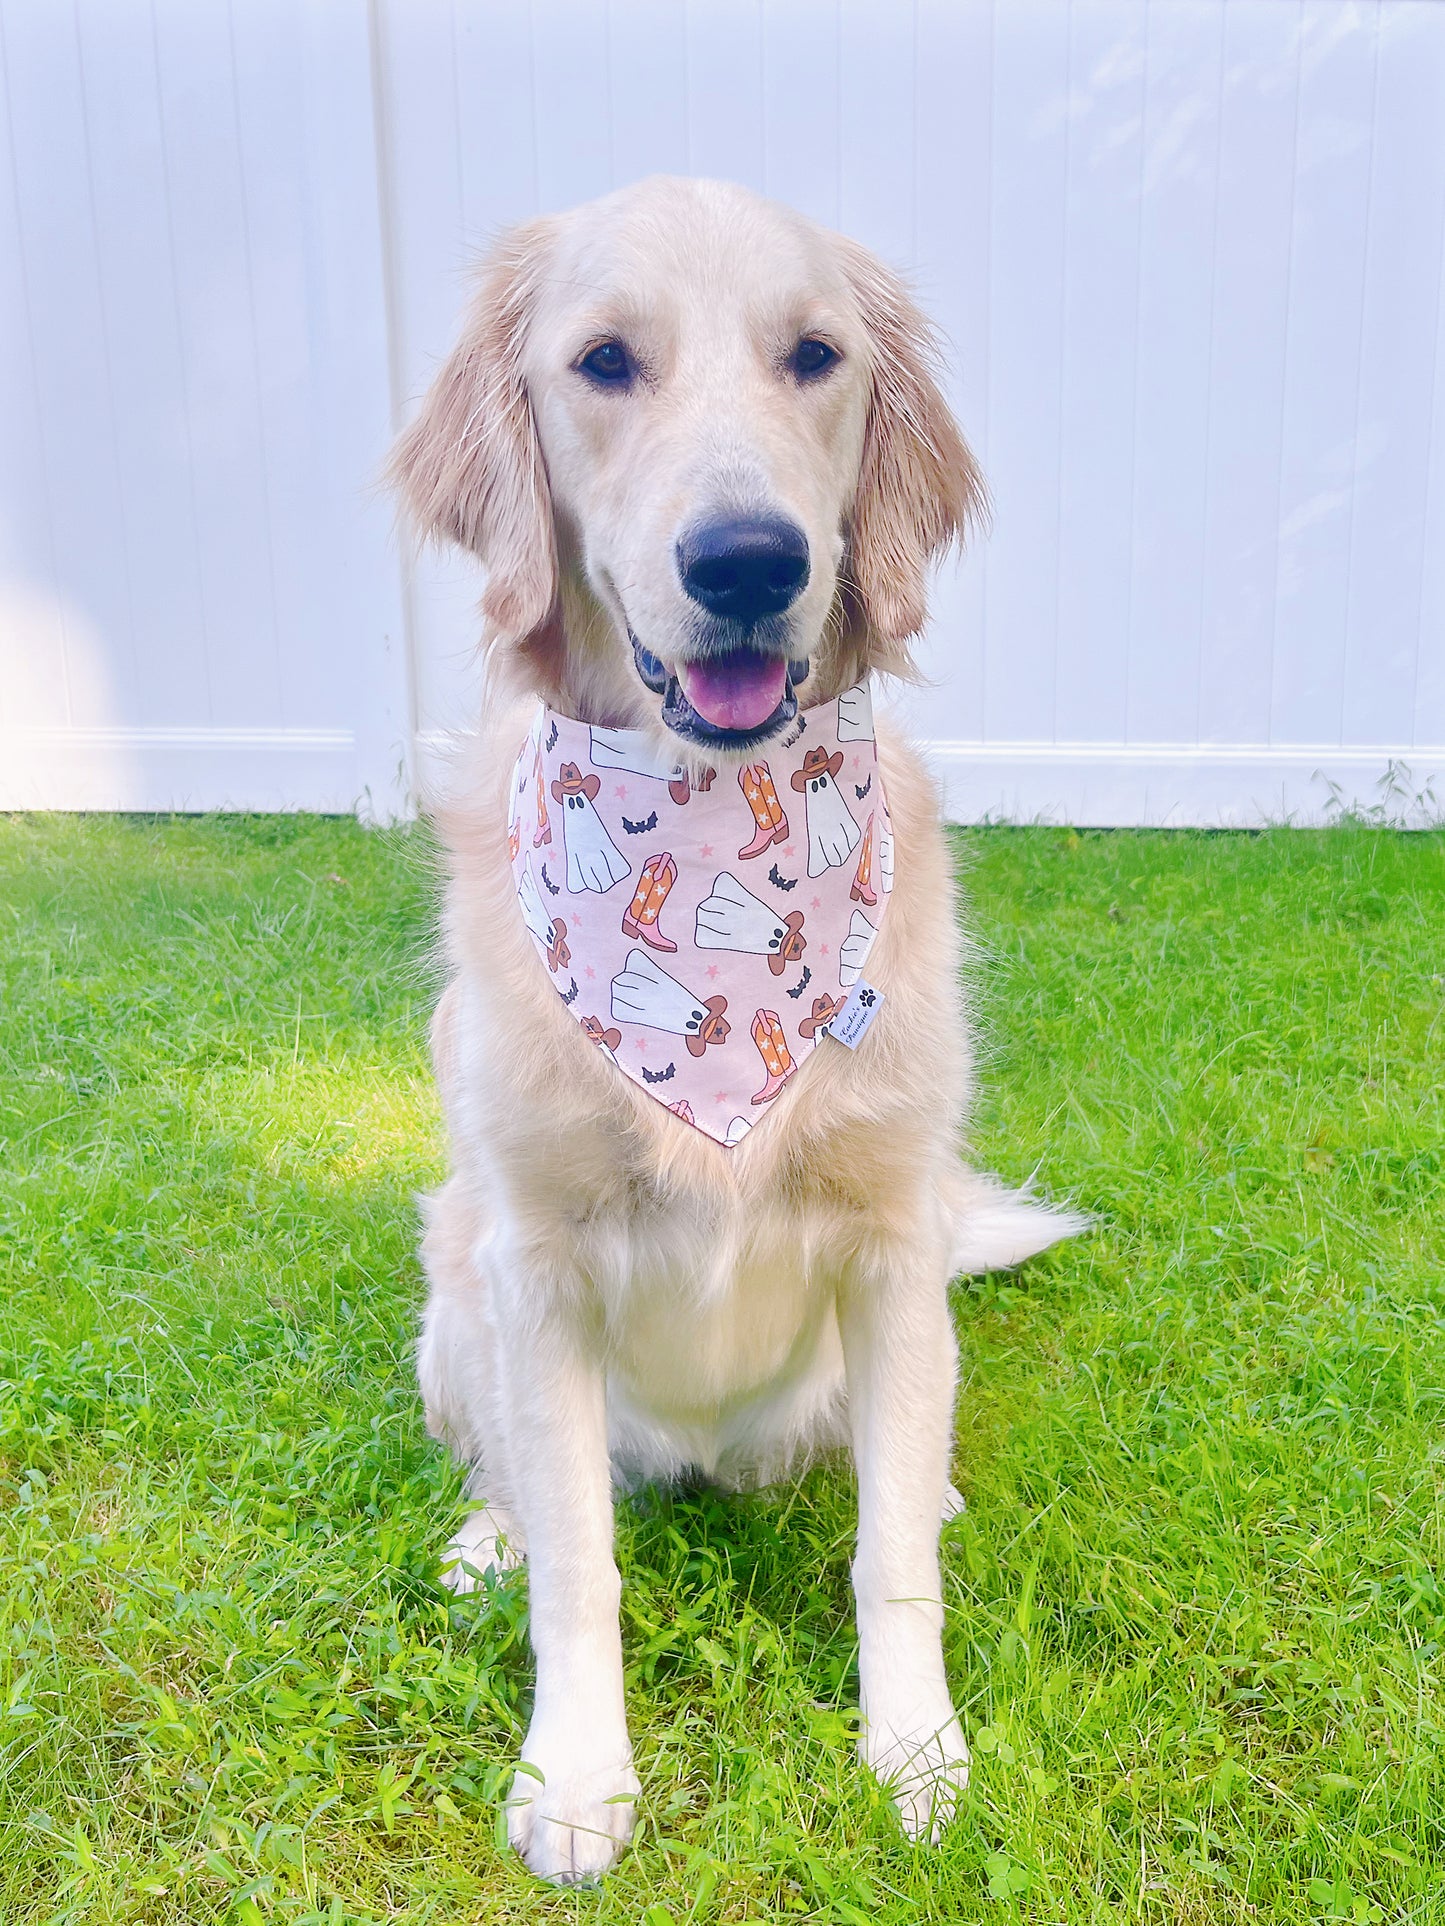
x=614 y=1295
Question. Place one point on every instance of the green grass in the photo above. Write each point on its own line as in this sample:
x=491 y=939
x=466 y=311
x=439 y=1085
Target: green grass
x=1195 y=1608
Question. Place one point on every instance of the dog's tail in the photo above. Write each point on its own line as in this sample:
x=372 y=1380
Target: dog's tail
x=994 y=1228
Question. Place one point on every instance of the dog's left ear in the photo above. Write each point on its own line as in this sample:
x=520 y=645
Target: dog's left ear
x=919 y=487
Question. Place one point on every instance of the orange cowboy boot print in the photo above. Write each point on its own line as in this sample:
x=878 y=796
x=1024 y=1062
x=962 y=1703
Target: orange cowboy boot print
x=770 y=823
x=773 y=1049
x=639 y=919
x=543 y=833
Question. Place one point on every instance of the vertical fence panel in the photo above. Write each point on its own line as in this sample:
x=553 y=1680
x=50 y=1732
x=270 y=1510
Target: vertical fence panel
x=1102 y=222
x=1401 y=297
x=801 y=108
x=1170 y=425
x=954 y=59
x=1334 y=142
x=1249 y=308
x=1026 y=289
x=647 y=90
x=77 y=477
x=32 y=631
x=143 y=357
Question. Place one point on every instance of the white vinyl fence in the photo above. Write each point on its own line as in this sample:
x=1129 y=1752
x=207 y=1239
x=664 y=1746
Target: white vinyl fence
x=1186 y=254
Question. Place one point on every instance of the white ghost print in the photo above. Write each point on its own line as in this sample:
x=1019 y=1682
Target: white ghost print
x=732 y=918
x=738 y=1129
x=853 y=950
x=645 y=994
x=855 y=715
x=885 y=856
x=832 y=833
x=627 y=749
x=593 y=859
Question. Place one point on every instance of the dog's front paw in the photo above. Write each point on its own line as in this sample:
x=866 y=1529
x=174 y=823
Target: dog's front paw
x=570 y=1816
x=921 y=1759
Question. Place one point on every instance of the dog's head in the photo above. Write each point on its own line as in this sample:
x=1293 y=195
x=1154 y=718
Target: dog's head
x=699 y=444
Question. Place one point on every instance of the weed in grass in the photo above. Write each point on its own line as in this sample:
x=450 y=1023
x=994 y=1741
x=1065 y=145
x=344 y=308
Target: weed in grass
x=1195 y=1608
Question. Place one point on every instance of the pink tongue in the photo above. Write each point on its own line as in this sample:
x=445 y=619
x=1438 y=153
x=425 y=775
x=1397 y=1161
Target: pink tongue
x=737 y=691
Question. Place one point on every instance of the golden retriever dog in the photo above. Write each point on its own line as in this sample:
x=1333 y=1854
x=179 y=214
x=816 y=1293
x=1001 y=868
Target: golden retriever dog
x=698 y=443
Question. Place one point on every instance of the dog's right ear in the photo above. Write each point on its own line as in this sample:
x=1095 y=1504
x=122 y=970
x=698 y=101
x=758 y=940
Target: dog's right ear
x=469 y=469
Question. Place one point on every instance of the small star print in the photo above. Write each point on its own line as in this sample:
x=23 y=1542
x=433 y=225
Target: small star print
x=706 y=849
x=822 y=949
x=590 y=971
x=789 y=850
x=720 y=1096
x=817 y=902
x=712 y=969
x=619 y=790
x=641 y=1044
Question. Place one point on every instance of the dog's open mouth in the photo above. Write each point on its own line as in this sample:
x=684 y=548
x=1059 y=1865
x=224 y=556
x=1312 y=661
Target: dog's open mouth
x=734 y=698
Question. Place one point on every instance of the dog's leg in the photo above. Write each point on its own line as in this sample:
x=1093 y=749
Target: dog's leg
x=456 y=1372
x=571 y=1804
x=899 y=1348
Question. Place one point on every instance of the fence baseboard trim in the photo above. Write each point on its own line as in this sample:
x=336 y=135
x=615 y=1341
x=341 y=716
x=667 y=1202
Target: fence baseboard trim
x=186 y=770
x=1180 y=785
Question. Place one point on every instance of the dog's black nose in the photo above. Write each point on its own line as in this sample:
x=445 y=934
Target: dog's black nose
x=744 y=568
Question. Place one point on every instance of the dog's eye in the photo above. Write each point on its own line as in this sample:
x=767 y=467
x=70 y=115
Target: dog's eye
x=812 y=358
x=608 y=364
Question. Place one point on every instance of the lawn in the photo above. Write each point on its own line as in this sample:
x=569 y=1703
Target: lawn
x=1196 y=1621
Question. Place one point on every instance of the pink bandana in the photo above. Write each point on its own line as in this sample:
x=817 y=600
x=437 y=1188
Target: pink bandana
x=704 y=937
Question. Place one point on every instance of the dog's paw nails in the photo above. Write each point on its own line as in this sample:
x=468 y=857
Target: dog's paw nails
x=923 y=1766
x=484 y=1544
x=571 y=1826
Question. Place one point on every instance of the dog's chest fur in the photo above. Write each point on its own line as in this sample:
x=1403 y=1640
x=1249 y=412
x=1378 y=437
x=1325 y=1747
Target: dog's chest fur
x=711 y=1273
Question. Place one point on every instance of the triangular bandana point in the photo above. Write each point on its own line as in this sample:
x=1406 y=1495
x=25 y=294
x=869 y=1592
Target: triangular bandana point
x=704 y=932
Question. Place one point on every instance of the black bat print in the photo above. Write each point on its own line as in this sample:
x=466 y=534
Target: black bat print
x=781 y=882
x=569 y=995
x=552 y=739
x=640 y=829
x=556 y=888
x=861 y=793
x=803 y=981
x=658 y=1076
